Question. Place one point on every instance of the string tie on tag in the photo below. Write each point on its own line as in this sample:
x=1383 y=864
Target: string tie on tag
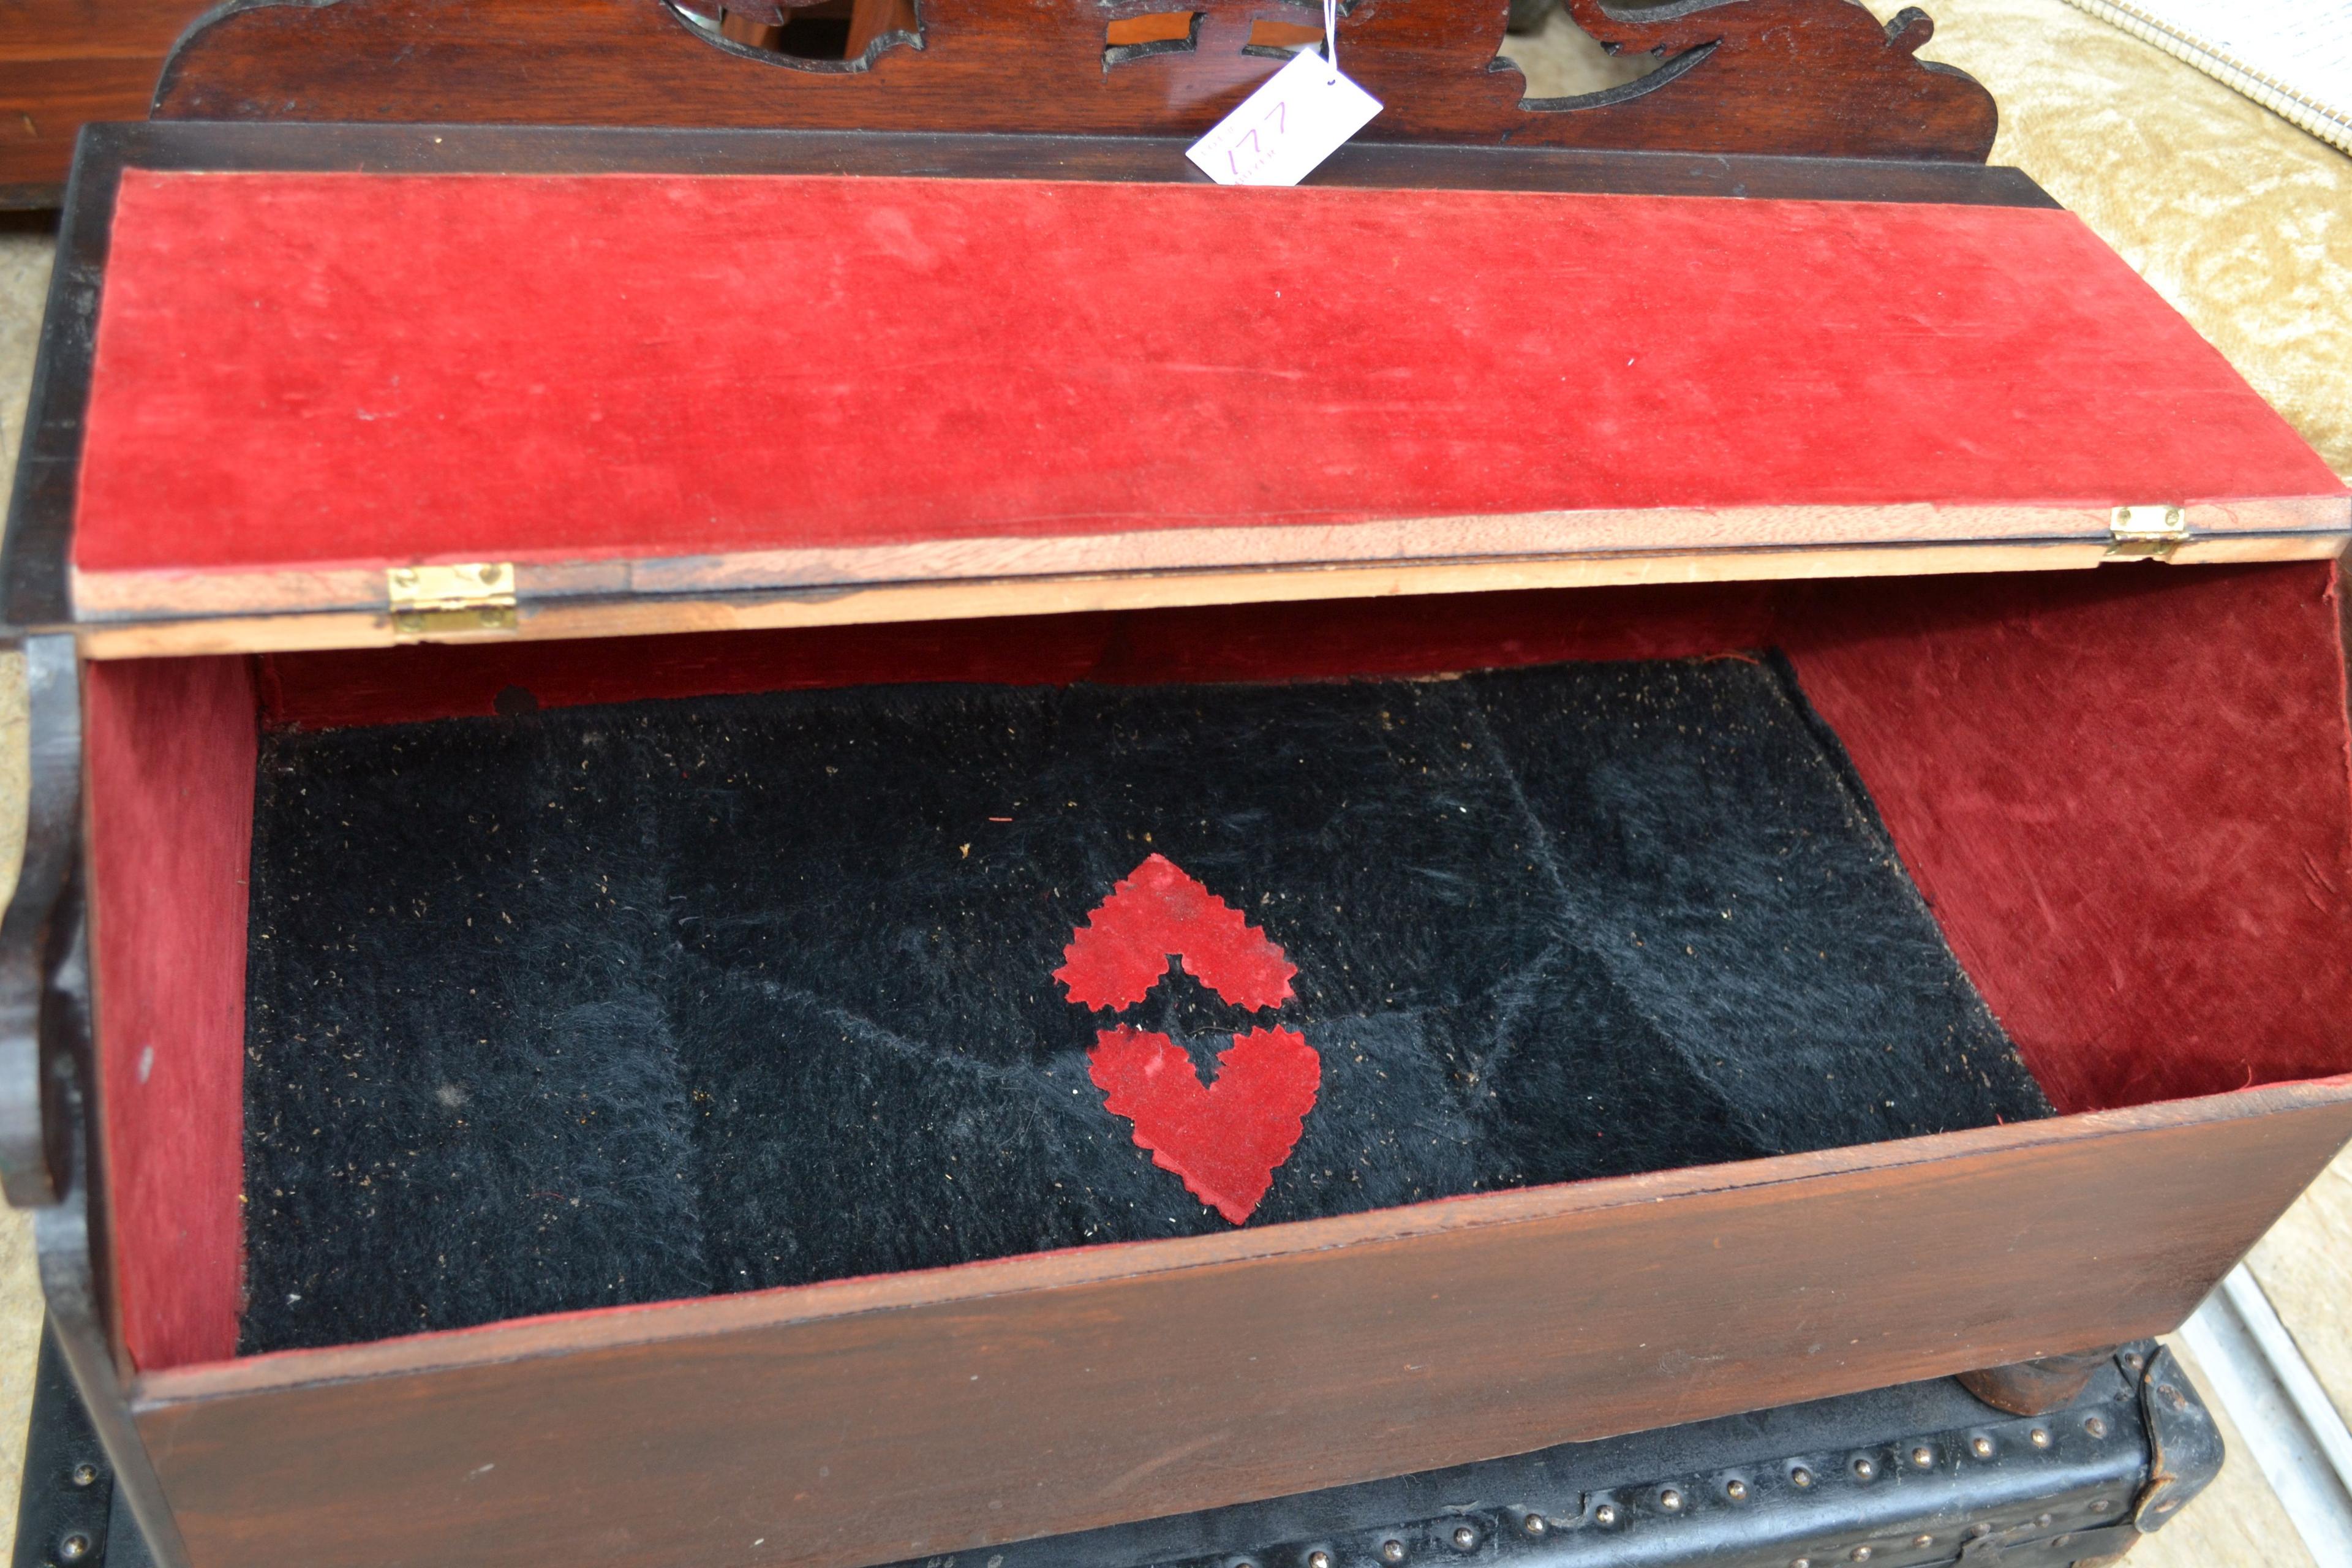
x=1331 y=37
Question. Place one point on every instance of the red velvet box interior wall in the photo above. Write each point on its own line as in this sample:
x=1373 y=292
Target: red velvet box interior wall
x=2126 y=794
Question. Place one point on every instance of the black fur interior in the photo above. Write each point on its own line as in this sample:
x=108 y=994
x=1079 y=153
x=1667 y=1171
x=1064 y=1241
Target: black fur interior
x=623 y=1003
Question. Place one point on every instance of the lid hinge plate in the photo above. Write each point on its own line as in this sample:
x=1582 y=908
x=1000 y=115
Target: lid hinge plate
x=475 y=596
x=2146 y=532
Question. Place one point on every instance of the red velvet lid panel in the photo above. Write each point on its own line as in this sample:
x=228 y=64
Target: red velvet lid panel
x=655 y=385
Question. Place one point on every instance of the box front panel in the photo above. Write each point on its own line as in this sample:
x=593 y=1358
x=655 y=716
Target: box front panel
x=861 y=1423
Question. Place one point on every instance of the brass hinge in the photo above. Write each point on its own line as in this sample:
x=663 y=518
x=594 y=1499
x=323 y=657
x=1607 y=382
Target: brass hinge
x=2146 y=532
x=440 y=601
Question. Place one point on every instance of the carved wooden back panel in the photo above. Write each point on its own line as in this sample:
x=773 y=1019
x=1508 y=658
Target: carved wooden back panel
x=1819 y=78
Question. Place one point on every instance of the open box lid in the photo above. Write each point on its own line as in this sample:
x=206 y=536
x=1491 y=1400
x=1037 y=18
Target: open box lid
x=334 y=386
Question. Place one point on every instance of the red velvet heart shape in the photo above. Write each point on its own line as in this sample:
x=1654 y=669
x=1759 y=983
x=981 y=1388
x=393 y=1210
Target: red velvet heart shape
x=1118 y=955
x=1223 y=1140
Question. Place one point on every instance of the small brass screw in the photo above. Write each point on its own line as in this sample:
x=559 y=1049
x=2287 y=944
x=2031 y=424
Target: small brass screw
x=1865 y=1470
x=1860 y=1554
x=73 y=1548
x=1391 y=1550
x=1735 y=1490
x=1671 y=1501
x=1923 y=1541
x=1923 y=1457
x=1605 y=1515
x=2095 y=1427
x=1319 y=1559
x=83 y=1475
x=1981 y=1446
x=1800 y=1476
x=1534 y=1524
x=1464 y=1538
x=2038 y=1437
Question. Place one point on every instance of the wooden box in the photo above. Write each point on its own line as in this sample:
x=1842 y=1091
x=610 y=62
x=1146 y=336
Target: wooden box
x=594 y=417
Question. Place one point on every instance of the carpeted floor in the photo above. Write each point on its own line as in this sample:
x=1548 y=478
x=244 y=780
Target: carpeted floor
x=2244 y=222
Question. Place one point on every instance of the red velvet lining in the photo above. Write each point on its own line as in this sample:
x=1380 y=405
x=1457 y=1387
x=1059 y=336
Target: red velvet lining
x=170 y=751
x=2126 y=793
x=305 y=368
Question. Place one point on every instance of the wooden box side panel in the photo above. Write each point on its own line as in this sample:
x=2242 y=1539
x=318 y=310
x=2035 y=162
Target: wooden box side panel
x=170 y=748
x=860 y=1423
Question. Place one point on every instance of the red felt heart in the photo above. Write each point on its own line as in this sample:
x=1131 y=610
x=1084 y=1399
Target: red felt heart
x=1122 y=950
x=1225 y=1140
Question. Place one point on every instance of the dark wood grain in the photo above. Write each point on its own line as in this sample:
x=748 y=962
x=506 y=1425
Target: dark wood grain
x=1802 y=77
x=911 y=1414
x=65 y=62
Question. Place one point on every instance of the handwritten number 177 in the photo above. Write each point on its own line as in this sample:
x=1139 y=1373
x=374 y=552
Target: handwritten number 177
x=1279 y=116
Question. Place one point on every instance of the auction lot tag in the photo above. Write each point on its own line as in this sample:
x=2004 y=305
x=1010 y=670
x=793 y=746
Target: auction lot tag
x=1297 y=118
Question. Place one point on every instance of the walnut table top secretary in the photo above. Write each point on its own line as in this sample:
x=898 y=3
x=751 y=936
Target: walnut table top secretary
x=651 y=737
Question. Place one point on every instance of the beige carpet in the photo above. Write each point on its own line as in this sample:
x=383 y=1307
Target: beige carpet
x=2242 y=221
